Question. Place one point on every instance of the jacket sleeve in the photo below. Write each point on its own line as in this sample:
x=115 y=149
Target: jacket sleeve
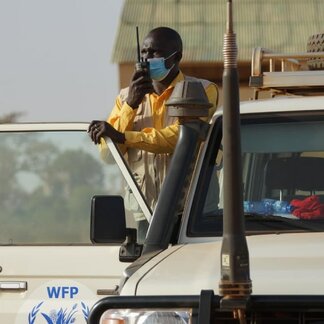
x=121 y=118
x=122 y=115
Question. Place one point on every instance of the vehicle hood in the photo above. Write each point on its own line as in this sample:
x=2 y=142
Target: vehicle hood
x=279 y=264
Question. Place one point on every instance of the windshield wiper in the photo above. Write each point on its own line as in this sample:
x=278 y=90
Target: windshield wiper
x=296 y=223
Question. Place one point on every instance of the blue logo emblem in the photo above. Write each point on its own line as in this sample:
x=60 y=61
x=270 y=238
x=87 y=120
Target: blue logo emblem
x=60 y=316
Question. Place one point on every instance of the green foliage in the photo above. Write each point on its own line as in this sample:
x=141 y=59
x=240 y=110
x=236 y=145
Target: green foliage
x=10 y=118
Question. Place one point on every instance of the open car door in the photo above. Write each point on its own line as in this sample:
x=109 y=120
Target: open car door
x=50 y=271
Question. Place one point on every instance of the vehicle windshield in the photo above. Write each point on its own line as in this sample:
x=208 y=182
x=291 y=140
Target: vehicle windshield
x=283 y=175
x=283 y=166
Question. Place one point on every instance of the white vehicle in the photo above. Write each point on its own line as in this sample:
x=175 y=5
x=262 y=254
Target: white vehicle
x=180 y=275
x=50 y=271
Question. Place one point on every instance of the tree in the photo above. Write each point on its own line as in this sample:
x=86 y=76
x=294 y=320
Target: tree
x=10 y=118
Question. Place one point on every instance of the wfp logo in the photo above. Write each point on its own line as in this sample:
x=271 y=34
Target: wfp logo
x=59 y=315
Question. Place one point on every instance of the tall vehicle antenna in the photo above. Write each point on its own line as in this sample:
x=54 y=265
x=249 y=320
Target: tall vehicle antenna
x=235 y=285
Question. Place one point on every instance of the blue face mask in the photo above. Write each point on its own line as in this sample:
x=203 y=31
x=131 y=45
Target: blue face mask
x=158 y=71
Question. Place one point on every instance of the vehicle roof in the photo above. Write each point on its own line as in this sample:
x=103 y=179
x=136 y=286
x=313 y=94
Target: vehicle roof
x=283 y=104
x=279 y=104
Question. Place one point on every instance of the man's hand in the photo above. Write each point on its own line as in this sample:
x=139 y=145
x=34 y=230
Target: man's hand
x=98 y=128
x=140 y=85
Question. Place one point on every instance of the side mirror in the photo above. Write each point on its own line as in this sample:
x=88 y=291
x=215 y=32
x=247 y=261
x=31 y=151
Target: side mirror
x=108 y=221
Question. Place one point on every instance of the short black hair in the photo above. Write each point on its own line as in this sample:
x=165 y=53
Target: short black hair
x=169 y=35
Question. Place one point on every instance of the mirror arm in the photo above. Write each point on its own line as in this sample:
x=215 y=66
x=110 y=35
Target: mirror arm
x=130 y=250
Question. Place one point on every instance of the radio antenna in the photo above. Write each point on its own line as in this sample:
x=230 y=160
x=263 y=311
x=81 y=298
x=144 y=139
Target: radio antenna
x=235 y=284
x=138 y=46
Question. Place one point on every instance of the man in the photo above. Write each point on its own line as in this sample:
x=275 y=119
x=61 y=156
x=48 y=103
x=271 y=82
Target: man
x=139 y=120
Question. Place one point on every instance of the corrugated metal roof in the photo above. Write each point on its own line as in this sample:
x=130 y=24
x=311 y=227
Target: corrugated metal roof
x=281 y=25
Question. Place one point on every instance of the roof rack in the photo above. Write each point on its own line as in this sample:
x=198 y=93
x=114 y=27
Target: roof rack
x=286 y=73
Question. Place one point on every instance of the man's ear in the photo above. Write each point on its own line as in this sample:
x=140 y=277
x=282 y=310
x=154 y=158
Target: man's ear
x=178 y=56
x=173 y=59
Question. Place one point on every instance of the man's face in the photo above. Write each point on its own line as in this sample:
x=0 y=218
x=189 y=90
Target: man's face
x=155 y=47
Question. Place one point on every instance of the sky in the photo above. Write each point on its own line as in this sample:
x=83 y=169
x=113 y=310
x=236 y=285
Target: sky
x=55 y=59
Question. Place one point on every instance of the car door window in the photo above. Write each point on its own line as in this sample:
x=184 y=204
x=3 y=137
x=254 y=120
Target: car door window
x=47 y=182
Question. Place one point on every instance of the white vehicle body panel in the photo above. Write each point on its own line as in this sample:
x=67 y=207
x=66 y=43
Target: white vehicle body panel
x=280 y=264
x=56 y=277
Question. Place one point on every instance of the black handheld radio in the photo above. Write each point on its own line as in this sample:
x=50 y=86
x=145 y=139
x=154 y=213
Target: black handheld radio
x=140 y=65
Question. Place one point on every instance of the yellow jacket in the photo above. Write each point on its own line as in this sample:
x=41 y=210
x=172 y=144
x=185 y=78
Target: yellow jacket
x=151 y=135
